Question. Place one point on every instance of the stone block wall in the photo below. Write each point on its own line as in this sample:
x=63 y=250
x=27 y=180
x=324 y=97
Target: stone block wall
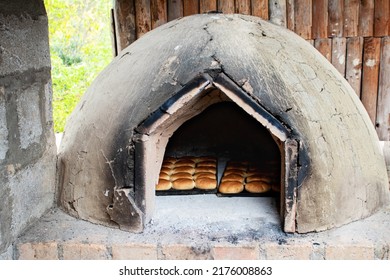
x=27 y=145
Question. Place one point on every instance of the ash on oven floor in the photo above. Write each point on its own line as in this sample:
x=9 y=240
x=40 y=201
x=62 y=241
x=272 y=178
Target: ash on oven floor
x=207 y=175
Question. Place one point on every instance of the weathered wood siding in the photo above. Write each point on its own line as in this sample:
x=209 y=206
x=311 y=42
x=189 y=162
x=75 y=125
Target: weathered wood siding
x=352 y=34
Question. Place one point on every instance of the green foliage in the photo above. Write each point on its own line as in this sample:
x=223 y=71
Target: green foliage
x=80 y=45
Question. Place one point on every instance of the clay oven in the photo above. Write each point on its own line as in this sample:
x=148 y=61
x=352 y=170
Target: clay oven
x=274 y=96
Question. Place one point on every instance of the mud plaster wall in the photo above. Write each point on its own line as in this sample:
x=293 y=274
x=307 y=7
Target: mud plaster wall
x=27 y=145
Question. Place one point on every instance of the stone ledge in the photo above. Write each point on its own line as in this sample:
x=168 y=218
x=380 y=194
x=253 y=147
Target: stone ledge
x=59 y=236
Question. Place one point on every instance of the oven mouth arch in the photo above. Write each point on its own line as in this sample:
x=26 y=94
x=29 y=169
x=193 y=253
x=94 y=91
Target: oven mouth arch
x=149 y=146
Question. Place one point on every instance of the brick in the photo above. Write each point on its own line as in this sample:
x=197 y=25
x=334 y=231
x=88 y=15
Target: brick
x=276 y=251
x=349 y=252
x=228 y=252
x=134 y=252
x=184 y=252
x=38 y=251
x=78 y=251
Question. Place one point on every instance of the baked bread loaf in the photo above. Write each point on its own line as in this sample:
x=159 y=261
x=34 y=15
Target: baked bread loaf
x=204 y=175
x=183 y=184
x=231 y=187
x=255 y=177
x=205 y=183
x=257 y=187
x=186 y=169
x=184 y=162
x=234 y=171
x=180 y=175
x=233 y=177
x=206 y=169
x=207 y=163
x=166 y=170
x=164 y=176
x=163 y=185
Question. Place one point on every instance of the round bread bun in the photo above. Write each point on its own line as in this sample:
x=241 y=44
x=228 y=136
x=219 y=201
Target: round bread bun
x=164 y=176
x=166 y=170
x=202 y=159
x=204 y=175
x=169 y=160
x=168 y=164
x=184 y=162
x=207 y=163
x=262 y=178
x=187 y=169
x=231 y=187
x=204 y=183
x=183 y=184
x=235 y=168
x=180 y=175
x=234 y=172
x=163 y=185
x=206 y=169
x=257 y=187
x=233 y=177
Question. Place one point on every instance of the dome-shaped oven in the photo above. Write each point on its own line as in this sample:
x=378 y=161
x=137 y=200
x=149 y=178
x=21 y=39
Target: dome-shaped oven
x=331 y=168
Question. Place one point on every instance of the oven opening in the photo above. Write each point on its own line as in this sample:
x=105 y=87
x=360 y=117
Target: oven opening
x=226 y=154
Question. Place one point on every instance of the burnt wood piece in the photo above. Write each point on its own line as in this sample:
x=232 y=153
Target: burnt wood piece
x=382 y=18
x=175 y=9
x=366 y=18
x=370 y=75
x=383 y=110
x=335 y=20
x=259 y=8
x=320 y=19
x=303 y=18
x=324 y=46
x=351 y=18
x=125 y=23
x=339 y=54
x=243 y=7
x=159 y=13
x=290 y=14
x=353 y=72
x=143 y=17
x=206 y=6
x=190 y=7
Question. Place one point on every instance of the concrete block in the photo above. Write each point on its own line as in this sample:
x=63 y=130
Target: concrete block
x=239 y=252
x=29 y=120
x=23 y=44
x=31 y=193
x=134 y=252
x=38 y=251
x=79 y=251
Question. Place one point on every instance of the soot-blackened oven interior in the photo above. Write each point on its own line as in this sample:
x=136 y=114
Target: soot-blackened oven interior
x=220 y=145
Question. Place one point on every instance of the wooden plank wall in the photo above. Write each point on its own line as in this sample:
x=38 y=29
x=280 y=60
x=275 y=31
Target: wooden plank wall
x=354 y=35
